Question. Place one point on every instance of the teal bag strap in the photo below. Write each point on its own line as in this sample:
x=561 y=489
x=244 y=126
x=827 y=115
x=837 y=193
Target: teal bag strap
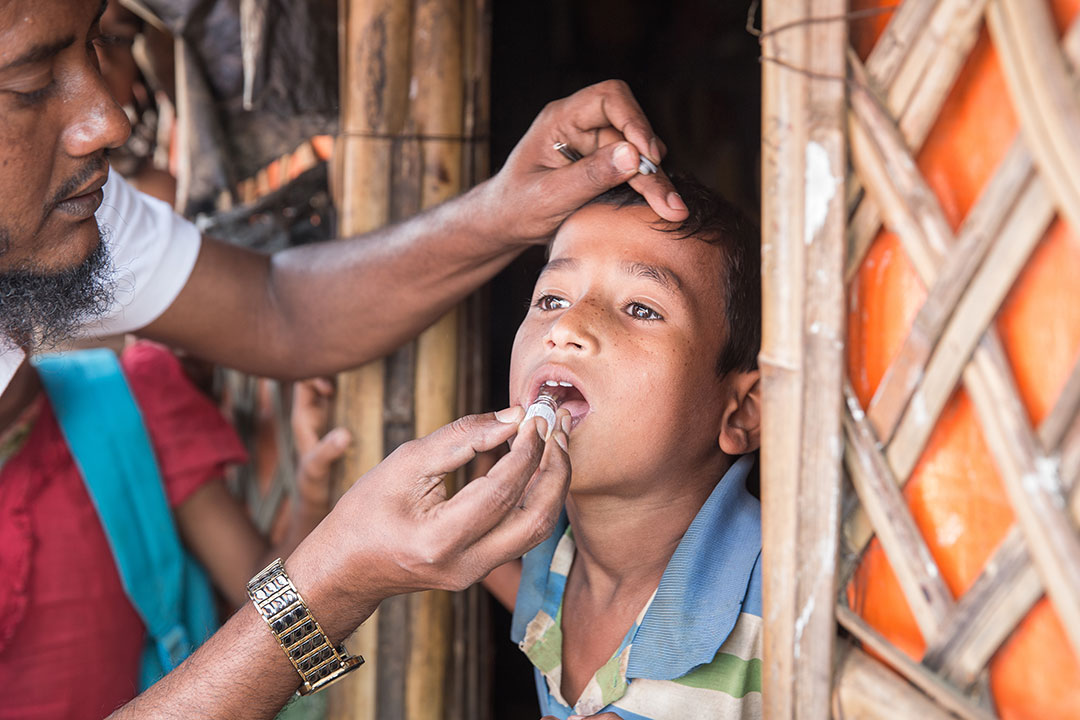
x=105 y=432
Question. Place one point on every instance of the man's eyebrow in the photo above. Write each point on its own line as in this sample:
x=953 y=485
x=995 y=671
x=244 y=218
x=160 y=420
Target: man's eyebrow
x=661 y=275
x=40 y=53
x=44 y=51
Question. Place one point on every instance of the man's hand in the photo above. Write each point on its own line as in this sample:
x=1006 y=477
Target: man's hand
x=538 y=188
x=395 y=530
x=324 y=307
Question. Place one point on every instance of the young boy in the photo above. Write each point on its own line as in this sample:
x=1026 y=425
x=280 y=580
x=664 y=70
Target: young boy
x=646 y=601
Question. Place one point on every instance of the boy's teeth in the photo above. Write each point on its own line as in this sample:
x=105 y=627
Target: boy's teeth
x=551 y=383
x=566 y=384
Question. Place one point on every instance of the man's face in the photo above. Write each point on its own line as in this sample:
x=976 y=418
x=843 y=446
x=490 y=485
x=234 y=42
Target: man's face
x=632 y=317
x=56 y=120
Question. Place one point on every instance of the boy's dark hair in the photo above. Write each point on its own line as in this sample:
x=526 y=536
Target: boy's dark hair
x=716 y=221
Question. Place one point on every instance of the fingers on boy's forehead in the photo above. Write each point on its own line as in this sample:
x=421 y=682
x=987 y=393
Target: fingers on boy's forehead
x=453 y=445
x=656 y=189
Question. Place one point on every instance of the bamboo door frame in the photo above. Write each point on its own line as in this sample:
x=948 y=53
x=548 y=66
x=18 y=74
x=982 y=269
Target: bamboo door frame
x=804 y=161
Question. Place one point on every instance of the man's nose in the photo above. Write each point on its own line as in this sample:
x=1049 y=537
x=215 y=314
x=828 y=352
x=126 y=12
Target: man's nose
x=576 y=329
x=96 y=120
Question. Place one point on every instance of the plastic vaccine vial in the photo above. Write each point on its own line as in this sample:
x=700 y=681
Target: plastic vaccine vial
x=544 y=406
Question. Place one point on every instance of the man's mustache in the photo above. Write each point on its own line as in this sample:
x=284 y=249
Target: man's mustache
x=77 y=181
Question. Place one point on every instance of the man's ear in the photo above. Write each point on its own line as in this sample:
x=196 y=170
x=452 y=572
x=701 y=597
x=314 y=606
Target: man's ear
x=740 y=425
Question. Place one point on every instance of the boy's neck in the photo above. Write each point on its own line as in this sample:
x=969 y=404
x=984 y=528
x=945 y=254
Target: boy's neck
x=17 y=396
x=626 y=542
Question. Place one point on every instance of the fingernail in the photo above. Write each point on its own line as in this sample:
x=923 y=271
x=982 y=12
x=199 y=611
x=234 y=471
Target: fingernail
x=342 y=437
x=566 y=423
x=654 y=150
x=541 y=428
x=510 y=414
x=563 y=440
x=675 y=201
x=625 y=158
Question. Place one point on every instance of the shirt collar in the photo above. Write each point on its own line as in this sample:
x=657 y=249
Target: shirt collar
x=707 y=584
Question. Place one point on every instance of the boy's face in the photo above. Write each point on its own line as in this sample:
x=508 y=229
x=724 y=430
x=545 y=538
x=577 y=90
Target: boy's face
x=632 y=317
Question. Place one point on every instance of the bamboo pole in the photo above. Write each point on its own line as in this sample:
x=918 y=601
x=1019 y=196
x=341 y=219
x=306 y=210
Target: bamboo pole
x=801 y=358
x=374 y=90
x=414 y=94
x=435 y=110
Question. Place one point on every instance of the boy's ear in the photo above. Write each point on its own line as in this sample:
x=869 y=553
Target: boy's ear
x=740 y=425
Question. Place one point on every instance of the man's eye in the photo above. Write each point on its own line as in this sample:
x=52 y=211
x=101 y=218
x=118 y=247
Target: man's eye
x=34 y=96
x=552 y=302
x=643 y=312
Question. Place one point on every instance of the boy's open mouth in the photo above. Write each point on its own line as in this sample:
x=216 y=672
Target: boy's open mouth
x=567 y=395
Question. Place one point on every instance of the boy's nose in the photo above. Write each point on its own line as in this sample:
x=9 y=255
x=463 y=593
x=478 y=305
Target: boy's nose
x=574 y=330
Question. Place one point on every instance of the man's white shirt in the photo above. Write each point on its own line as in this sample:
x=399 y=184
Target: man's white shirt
x=153 y=251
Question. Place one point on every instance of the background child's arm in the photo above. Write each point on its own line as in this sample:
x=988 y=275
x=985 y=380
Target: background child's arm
x=216 y=527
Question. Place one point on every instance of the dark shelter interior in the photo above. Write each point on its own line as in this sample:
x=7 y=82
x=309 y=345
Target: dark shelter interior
x=693 y=67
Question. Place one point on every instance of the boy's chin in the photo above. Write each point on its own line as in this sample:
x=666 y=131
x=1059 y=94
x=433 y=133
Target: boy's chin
x=595 y=474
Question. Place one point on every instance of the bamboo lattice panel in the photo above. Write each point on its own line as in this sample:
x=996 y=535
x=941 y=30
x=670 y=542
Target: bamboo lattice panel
x=959 y=551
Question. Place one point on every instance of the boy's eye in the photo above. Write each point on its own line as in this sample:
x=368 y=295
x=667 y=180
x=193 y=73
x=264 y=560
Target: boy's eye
x=552 y=302
x=643 y=312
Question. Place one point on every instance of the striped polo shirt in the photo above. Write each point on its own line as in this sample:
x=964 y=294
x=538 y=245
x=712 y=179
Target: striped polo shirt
x=695 y=649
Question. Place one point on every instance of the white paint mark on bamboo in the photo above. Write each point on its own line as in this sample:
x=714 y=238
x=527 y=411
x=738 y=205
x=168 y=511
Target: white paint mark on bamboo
x=826 y=331
x=1045 y=480
x=920 y=414
x=836 y=447
x=800 y=623
x=857 y=413
x=821 y=186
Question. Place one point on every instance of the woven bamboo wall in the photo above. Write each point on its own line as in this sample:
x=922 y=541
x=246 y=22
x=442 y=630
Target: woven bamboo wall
x=857 y=214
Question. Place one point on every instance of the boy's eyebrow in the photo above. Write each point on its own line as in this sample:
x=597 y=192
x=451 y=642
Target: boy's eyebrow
x=559 y=264
x=661 y=275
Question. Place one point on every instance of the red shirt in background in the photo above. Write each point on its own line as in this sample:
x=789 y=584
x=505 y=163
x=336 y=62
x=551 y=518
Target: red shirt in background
x=70 y=641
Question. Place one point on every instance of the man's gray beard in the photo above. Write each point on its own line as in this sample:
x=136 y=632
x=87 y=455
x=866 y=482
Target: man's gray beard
x=40 y=309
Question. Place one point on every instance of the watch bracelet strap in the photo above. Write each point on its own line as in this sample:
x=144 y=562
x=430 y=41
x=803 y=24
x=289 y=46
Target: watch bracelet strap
x=297 y=631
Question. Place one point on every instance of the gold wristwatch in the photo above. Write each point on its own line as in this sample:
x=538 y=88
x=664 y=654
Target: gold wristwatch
x=297 y=631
